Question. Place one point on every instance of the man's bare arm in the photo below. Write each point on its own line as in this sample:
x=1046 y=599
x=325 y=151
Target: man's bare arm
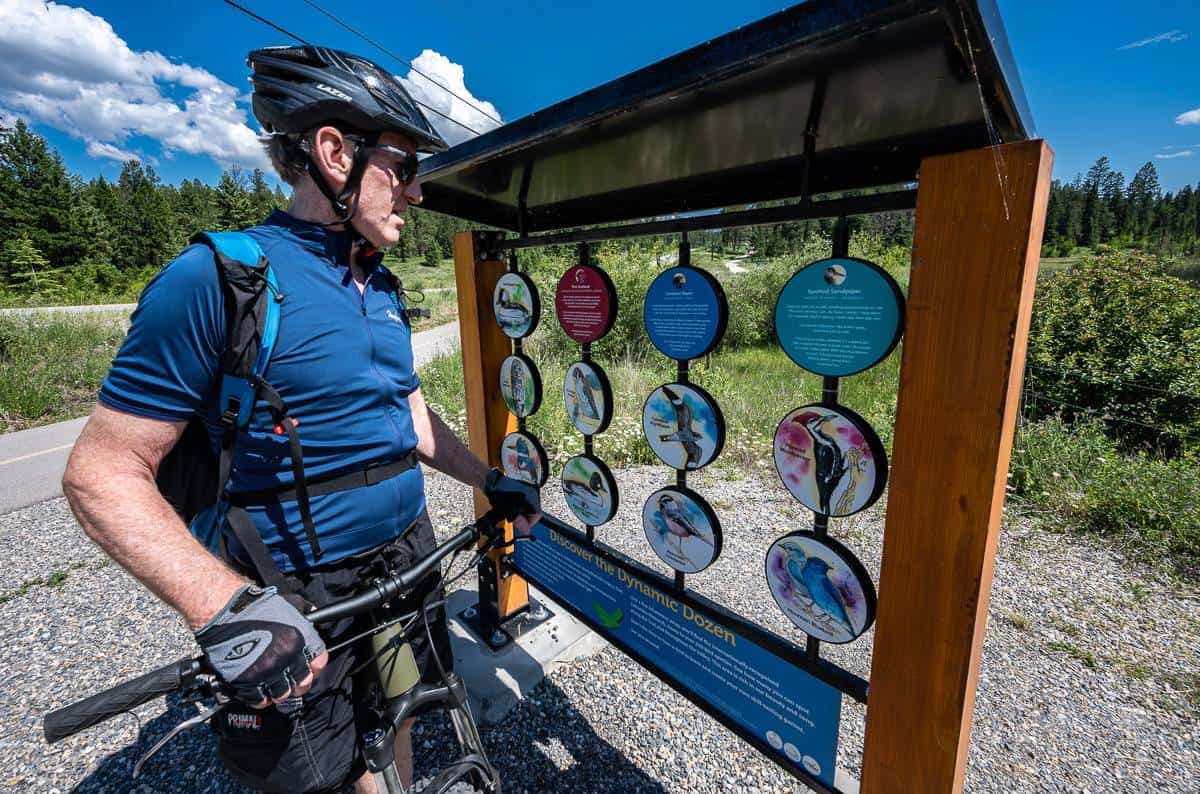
x=439 y=447
x=109 y=483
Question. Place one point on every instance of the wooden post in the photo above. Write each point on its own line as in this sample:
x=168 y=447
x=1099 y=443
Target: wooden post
x=976 y=244
x=484 y=348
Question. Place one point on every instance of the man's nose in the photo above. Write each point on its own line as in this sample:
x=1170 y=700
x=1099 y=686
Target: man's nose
x=412 y=191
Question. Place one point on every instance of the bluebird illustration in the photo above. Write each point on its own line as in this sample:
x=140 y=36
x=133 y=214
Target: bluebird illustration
x=676 y=522
x=585 y=400
x=829 y=462
x=685 y=435
x=811 y=576
x=525 y=462
x=516 y=385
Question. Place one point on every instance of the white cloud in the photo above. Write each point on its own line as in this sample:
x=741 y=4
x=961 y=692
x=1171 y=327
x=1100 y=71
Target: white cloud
x=1191 y=117
x=1170 y=37
x=1184 y=153
x=447 y=74
x=67 y=68
x=109 y=152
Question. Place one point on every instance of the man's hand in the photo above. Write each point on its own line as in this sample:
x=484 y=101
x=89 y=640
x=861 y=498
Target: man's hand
x=262 y=647
x=510 y=497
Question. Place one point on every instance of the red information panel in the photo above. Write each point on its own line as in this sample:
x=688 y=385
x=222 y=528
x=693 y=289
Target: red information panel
x=586 y=303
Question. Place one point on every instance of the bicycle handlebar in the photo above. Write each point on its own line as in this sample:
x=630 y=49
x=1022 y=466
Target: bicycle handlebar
x=79 y=716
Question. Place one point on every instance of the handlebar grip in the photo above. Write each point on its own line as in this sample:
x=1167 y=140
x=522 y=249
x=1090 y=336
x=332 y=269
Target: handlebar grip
x=76 y=717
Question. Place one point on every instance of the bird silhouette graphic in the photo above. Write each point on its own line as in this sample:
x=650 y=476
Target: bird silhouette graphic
x=810 y=577
x=829 y=464
x=675 y=521
x=684 y=435
x=585 y=400
x=608 y=620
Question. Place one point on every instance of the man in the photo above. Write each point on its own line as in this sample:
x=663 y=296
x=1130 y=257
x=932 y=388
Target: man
x=344 y=133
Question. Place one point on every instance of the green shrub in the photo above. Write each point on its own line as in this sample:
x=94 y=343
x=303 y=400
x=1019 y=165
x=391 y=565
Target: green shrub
x=1117 y=338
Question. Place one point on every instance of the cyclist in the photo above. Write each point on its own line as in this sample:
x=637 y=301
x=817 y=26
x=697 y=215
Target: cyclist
x=345 y=135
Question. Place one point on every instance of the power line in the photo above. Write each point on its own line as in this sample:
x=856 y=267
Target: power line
x=407 y=63
x=1107 y=417
x=1115 y=382
x=288 y=33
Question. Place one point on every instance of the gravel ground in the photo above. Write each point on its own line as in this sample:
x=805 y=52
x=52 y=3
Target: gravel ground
x=1089 y=682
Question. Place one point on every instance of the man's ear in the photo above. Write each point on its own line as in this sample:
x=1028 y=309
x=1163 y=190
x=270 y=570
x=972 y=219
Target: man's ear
x=333 y=155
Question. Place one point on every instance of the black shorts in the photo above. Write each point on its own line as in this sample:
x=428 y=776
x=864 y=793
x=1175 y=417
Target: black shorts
x=311 y=743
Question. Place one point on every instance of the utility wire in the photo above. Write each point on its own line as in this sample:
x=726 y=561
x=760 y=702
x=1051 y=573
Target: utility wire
x=1107 y=417
x=288 y=33
x=1114 y=382
x=407 y=63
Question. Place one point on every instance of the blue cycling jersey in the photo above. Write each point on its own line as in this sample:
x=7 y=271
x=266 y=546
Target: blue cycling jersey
x=343 y=364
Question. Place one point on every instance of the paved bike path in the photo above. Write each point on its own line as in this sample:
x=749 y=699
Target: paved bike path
x=32 y=461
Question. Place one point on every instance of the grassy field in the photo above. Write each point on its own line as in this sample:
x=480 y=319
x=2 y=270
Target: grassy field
x=417 y=275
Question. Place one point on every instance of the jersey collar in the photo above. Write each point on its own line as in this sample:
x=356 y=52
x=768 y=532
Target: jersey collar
x=330 y=244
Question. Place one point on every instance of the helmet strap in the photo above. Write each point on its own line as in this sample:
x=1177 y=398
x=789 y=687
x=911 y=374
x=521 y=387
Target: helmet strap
x=345 y=202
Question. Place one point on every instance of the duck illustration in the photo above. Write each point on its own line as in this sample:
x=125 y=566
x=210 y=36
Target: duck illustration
x=514 y=313
x=829 y=463
x=684 y=435
x=675 y=521
x=590 y=493
x=585 y=400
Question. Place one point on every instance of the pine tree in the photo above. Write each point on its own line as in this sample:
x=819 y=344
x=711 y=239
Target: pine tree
x=36 y=197
x=22 y=257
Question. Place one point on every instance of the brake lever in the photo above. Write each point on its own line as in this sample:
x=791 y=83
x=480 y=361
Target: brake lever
x=203 y=716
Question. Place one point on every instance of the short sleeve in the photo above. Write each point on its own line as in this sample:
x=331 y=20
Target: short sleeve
x=169 y=360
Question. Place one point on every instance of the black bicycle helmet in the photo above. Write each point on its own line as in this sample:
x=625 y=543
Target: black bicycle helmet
x=302 y=87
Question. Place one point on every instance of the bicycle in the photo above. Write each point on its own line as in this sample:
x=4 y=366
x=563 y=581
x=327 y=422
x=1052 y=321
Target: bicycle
x=396 y=694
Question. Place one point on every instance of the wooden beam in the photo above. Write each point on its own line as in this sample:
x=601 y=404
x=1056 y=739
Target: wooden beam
x=484 y=348
x=976 y=244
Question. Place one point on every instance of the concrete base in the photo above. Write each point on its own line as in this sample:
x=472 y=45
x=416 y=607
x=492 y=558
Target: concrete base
x=498 y=680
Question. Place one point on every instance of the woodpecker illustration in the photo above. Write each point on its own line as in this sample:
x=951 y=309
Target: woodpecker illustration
x=829 y=462
x=684 y=435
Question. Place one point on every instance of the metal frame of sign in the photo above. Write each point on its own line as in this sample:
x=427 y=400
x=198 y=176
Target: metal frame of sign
x=537 y=448
x=534 y=299
x=878 y=452
x=852 y=562
x=722 y=309
x=610 y=483
x=844 y=681
x=613 y=302
x=605 y=392
x=717 y=415
x=887 y=277
x=713 y=522
x=536 y=377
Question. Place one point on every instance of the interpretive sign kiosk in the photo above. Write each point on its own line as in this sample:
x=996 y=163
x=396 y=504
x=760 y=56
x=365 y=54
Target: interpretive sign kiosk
x=828 y=109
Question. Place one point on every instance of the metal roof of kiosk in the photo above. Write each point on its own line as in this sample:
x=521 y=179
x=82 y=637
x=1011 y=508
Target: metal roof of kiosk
x=826 y=96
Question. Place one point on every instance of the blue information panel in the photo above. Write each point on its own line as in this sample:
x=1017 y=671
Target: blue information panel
x=770 y=701
x=685 y=312
x=839 y=316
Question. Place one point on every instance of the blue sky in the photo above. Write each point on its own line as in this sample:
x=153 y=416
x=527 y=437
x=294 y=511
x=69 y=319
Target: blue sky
x=1102 y=77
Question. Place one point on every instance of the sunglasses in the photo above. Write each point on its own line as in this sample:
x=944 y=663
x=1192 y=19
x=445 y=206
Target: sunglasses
x=405 y=165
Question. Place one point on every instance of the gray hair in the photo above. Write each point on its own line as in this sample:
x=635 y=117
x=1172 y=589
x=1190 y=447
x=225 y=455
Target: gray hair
x=287 y=155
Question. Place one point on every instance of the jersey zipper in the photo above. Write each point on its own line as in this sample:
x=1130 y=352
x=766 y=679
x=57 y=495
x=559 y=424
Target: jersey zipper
x=362 y=296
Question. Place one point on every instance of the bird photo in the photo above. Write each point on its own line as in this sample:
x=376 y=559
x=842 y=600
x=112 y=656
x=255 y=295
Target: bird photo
x=817 y=590
x=683 y=426
x=682 y=532
x=826 y=461
x=584 y=396
x=589 y=490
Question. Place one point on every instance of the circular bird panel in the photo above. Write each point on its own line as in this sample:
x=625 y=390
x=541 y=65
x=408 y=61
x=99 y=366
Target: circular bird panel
x=682 y=529
x=523 y=458
x=588 y=396
x=685 y=312
x=830 y=459
x=516 y=304
x=839 y=316
x=821 y=586
x=586 y=303
x=683 y=425
x=520 y=385
x=590 y=490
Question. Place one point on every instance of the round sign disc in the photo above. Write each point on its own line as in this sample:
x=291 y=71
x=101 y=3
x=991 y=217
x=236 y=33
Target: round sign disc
x=589 y=398
x=523 y=458
x=683 y=425
x=517 y=305
x=682 y=529
x=839 y=316
x=586 y=303
x=685 y=312
x=590 y=490
x=821 y=586
x=520 y=385
x=830 y=459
